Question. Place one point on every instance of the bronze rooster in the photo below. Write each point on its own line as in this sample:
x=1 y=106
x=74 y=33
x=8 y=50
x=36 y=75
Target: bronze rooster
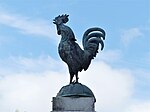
x=71 y=53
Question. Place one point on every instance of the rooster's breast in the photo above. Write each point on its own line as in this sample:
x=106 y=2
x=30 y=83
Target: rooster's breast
x=64 y=50
x=71 y=53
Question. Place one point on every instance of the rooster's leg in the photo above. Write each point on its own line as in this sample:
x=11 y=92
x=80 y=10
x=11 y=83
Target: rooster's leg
x=77 y=77
x=71 y=77
x=71 y=74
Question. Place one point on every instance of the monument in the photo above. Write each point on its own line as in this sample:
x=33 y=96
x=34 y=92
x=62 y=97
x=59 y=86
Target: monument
x=76 y=96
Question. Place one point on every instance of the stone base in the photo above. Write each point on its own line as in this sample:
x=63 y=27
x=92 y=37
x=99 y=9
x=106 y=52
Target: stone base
x=73 y=111
x=75 y=104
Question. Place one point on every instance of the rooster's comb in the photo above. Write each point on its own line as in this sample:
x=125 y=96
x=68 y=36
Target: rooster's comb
x=63 y=17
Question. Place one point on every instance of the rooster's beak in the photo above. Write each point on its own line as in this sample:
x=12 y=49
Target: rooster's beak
x=54 y=21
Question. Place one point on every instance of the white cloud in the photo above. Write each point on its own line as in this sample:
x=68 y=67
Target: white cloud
x=32 y=91
x=112 y=87
x=110 y=55
x=130 y=34
x=139 y=107
x=28 y=25
x=27 y=65
x=28 y=84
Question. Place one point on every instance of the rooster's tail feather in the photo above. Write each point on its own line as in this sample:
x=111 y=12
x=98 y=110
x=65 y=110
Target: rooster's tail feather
x=91 y=39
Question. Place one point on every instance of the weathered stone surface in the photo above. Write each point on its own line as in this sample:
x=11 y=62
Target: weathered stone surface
x=73 y=104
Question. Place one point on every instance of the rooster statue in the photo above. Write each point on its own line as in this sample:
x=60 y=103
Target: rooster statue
x=71 y=53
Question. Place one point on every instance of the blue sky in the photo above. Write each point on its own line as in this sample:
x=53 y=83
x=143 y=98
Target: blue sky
x=31 y=70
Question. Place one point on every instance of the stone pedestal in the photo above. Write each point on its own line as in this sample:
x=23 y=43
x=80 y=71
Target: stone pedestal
x=73 y=104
